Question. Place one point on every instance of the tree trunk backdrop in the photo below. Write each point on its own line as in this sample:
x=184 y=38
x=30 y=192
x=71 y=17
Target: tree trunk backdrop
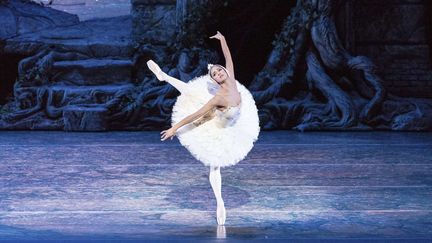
x=91 y=76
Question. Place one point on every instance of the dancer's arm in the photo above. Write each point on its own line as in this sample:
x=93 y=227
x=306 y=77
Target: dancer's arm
x=215 y=101
x=227 y=54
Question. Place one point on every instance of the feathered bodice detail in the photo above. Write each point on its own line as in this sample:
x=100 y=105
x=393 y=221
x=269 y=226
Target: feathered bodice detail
x=228 y=116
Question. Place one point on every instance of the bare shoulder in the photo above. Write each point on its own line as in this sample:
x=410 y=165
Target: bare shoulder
x=218 y=99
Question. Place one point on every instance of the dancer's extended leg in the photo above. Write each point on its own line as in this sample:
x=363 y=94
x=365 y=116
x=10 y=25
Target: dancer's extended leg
x=216 y=183
x=178 y=84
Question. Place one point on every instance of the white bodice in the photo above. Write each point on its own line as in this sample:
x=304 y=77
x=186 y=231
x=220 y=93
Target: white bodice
x=228 y=116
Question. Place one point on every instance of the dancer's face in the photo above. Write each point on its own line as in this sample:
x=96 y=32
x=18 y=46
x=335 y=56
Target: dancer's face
x=218 y=74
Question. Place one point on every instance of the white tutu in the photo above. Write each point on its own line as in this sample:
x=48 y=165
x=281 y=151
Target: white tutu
x=227 y=138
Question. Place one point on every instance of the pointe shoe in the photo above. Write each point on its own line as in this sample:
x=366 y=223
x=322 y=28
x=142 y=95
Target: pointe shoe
x=221 y=215
x=156 y=70
x=221 y=232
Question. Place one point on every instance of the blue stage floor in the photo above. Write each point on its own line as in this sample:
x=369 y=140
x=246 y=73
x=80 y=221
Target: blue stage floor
x=356 y=186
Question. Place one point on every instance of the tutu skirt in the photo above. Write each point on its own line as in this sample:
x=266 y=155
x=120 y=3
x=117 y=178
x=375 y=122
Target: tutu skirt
x=216 y=143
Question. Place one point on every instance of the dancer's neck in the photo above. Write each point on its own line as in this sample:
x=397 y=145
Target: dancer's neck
x=228 y=83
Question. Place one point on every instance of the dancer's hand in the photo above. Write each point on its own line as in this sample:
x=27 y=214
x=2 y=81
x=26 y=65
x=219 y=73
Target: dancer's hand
x=218 y=36
x=170 y=133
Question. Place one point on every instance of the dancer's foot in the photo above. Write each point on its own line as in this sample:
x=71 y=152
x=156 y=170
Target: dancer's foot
x=156 y=70
x=221 y=214
x=221 y=232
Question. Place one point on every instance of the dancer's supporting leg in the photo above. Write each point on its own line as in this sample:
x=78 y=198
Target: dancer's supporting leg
x=216 y=183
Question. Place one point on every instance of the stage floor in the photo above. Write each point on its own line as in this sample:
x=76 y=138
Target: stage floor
x=131 y=186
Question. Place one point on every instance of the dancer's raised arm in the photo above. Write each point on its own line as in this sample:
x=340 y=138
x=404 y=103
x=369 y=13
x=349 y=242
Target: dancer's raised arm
x=227 y=54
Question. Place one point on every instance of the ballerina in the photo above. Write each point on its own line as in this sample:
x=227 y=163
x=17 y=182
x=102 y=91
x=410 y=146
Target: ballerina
x=215 y=118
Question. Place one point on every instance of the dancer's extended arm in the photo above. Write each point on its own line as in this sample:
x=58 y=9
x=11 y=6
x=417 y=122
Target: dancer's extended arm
x=215 y=101
x=227 y=54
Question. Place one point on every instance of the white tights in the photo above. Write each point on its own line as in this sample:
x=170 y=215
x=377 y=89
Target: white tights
x=216 y=184
x=178 y=84
x=162 y=76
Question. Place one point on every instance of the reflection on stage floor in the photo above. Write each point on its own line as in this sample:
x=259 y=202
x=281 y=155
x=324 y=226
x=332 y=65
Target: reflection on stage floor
x=333 y=186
